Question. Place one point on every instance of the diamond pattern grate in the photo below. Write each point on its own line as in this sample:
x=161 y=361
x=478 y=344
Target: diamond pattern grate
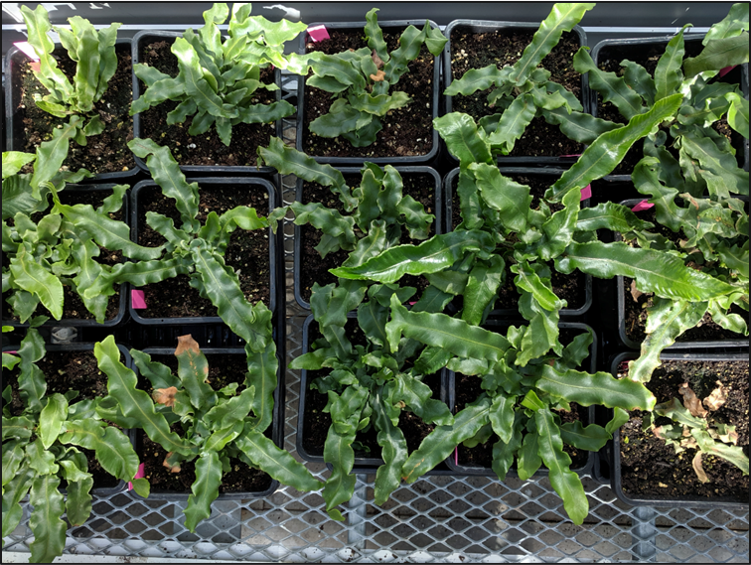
x=437 y=519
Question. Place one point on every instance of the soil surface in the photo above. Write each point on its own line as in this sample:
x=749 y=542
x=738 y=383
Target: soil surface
x=317 y=422
x=650 y=468
x=73 y=306
x=205 y=149
x=223 y=370
x=107 y=152
x=504 y=47
x=313 y=269
x=247 y=253
x=571 y=287
x=64 y=371
x=406 y=132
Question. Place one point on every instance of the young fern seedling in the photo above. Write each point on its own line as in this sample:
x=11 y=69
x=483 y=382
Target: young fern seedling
x=41 y=447
x=362 y=81
x=96 y=63
x=219 y=79
x=216 y=425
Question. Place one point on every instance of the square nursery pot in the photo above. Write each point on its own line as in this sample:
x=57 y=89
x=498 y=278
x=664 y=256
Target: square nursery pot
x=105 y=485
x=309 y=444
x=648 y=472
x=608 y=55
x=632 y=315
x=204 y=153
x=463 y=460
x=174 y=301
x=386 y=149
x=168 y=486
x=575 y=288
x=308 y=265
x=112 y=144
x=483 y=42
x=94 y=195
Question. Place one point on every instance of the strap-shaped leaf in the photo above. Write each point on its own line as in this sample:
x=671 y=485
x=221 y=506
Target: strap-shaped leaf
x=463 y=141
x=52 y=153
x=51 y=419
x=204 y=489
x=578 y=126
x=35 y=279
x=193 y=370
x=223 y=414
x=333 y=224
x=738 y=113
x=31 y=381
x=611 y=216
x=668 y=74
x=13 y=456
x=595 y=389
x=17 y=487
x=46 y=521
x=513 y=123
x=113 y=448
x=528 y=279
x=501 y=193
x=262 y=376
x=600 y=158
x=558 y=229
x=417 y=396
x=393 y=451
x=610 y=86
x=589 y=438
x=87 y=57
x=565 y=482
x=38 y=26
x=718 y=54
x=731 y=453
x=654 y=271
x=276 y=462
x=134 y=403
x=433 y=255
x=720 y=163
x=14 y=161
x=148 y=272
x=17 y=428
x=17 y=197
x=78 y=500
x=340 y=486
x=502 y=416
x=477 y=79
x=442 y=441
x=562 y=17
x=482 y=288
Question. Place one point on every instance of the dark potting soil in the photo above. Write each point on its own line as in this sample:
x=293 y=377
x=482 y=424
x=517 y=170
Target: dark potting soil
x=73 y=306
x=205 y=149
x=571 y=287
x=317 y=422
x=107 y=152
x=648 y=57
x=503 y=47
x=64 y=371
x=223 y=370
x=650 y=468
x=406 y=132
x=313 y=269
x=247 y=253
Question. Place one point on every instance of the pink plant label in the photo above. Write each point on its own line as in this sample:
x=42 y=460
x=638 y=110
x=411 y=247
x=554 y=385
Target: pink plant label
x=139 y=475
x=586 y=192
x=726 y=70
x=643 y=205
x=573 y=155
x=318 y=33
x=138 y=300
x=456 y=456
x=10 y=352
x=28 y=50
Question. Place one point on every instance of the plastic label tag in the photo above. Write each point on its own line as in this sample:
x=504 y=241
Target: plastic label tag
x=572 y=155
x=139 y=475
x=28 y=50
x=726 y=70
x=318 y=33
x=138 y=299
x=586 y=192
x=643 y=205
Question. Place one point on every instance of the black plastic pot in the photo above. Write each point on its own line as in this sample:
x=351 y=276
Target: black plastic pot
x=122 y=304
x=276 y=274
x=128 y=362
x=277 y=424
x=714 y=344
x=363 y=464
x=351 y=161
x=486 y=26
x=638 y=48
x=460 y=469
x=14 y=129
x=448 y=184
x=617 y=469
x=141 y=39
x=416 y=170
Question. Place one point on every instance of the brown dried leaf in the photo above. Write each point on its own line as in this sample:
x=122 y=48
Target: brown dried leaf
x=717 y=397
x=635 y=292
x=377 y=60
x=691 y=401
x=696 y=463
x=186 y=342
x=172 y=468
x=378 y=77
x=165 y=396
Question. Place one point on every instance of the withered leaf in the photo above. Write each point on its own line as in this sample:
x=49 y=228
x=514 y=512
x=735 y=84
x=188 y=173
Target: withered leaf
x=378 y=77
x=717 y=397
x=635 y=292
x=164 y=396
x=172 y=468
x=696 y=463
x=691 y=401
x=377 y=60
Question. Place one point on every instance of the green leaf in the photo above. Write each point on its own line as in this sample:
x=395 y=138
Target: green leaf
x=731 y=25
x=528 y=460
x=565 y=482
x=417 y=396
x=30 y=276
x=482 y=288
x=78 y=500
x=393 y=451
x=578 y=126
x=262 y=376
x=31 y=381
x=476 y=79
x=14 y=161
x=668 y=74
x=205 y=489
x=340 y=486
x=600 y=158
x=510 y=198
x=590 y=438
x=463 y=141
x=737 y=114
x=620 y=417
x=46 y=521
x=112 y=447
x=193 y=370
x=513 y=123
x=17 y=487
x=333 y=224
x=52 y=153
x=718 y=162
x=595 y=389
x=718 y=54
x=610 y=216
x=502 y=416
x=638 y=78
x=51 y=419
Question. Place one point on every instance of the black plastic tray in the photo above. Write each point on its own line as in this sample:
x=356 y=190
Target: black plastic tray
x=14 y=128
x=487 y=471
x=276 y=248
x=148 y=35
x=403 y=170
x=505 y=312
x=396 y=159
x=616 y=449
x=484 y=26
x=122 y=305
